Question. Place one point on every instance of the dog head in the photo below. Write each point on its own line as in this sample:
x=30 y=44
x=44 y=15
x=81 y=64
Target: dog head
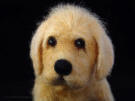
x=70 y=46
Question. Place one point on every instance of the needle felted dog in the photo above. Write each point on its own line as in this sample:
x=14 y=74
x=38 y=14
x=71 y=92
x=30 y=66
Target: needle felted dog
x=72 y=56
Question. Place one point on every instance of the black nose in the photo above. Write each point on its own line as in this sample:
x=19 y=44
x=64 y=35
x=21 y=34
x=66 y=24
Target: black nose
x=63 y=67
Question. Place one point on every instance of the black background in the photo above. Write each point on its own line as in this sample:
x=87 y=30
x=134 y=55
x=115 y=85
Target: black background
x=18 y=22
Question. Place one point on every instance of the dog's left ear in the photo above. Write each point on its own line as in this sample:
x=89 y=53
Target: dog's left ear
x=105 y=57
x=36 y=49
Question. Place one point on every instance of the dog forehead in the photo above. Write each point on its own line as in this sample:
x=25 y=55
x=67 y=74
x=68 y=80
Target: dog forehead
x=58 y=29
x=72 y=22
x=65 y=33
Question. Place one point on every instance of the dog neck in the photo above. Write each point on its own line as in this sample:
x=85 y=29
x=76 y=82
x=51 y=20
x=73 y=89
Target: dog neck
x=59 y=93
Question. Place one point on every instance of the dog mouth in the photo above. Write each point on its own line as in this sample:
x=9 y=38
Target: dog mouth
x=59 y=81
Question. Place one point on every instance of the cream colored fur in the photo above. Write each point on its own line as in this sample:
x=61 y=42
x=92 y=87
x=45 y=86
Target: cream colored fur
x=87 y=81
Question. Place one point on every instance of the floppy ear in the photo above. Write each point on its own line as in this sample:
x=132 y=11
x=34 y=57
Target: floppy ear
x=105 y=57
x=36 y=50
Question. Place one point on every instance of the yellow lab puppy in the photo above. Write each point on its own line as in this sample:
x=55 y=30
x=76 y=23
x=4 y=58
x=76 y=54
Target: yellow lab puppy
x=72 y=56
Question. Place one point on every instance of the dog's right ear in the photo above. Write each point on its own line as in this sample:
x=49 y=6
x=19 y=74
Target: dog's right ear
x=105 y=57
x=36 y=49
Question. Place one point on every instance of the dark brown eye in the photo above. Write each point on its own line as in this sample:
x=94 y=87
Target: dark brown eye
x=52 y=41
x=80 y=43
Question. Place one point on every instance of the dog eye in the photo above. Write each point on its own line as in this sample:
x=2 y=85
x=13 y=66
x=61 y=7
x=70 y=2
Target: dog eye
x=52 y=41
x=80 y=43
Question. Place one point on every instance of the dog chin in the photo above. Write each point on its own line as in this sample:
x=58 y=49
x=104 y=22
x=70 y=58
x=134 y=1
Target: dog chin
x=74 y=85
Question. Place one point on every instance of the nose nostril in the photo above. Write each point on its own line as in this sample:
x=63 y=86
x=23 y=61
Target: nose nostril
x=63 y=67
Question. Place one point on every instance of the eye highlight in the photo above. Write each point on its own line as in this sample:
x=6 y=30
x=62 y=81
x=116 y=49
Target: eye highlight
x=80 y=43
x=52 y=41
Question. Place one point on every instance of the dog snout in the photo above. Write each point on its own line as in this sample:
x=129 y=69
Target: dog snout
x=63 y=67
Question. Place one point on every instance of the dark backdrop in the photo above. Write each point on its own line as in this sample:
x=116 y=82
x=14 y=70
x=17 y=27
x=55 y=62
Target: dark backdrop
x=18 y=21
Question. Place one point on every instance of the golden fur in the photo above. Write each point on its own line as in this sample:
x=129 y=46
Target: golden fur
x=87 y=81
